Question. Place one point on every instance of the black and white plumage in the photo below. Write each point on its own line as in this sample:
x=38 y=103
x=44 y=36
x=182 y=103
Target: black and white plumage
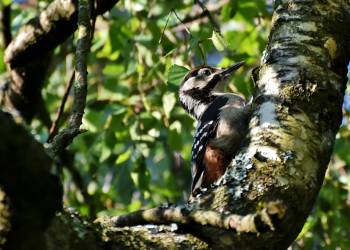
x=222 y=121
x=206 y=130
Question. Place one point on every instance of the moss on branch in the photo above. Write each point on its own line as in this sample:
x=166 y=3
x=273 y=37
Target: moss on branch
x=65 y=137
x=250 y=223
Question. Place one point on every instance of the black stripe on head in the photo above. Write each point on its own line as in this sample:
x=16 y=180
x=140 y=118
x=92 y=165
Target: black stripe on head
x=212 y=83
x=194 y=72
x=190 y=74
x=202 y=95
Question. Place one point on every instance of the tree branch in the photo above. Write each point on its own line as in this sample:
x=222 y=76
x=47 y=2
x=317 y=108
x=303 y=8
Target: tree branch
x=26 y=60
x=6 y=24
x=34 y=194
x=65 y=137
x=46 y=32
x=251 y=223
x=54 y=126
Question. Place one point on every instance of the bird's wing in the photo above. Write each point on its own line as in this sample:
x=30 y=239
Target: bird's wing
x=206 y=130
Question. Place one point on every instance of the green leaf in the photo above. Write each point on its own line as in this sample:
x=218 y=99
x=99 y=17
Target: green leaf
x=261 y=5
x=141 y=179
x=194 y=41
x=176 y=74
x=124 y=184
x=174 y=136
x=6 y=2
x=105 y=153
x=2 y=64
x=169 y=101
x=92 y=187
x=229 y=10
x=94 y=121
x=123 y=157
x=218 y=41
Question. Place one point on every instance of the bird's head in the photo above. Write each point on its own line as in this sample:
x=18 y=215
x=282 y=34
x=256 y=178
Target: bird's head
x=199 y=85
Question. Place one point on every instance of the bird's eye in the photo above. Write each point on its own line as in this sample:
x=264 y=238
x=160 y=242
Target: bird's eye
x=205 y=72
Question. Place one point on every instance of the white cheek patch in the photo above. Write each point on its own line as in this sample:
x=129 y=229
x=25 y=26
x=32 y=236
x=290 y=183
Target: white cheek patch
x=201 y=83
x=195 y=83
x=190 y=84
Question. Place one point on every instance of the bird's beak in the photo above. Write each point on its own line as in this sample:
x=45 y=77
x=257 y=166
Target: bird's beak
x=229 y=70
x=221 y=77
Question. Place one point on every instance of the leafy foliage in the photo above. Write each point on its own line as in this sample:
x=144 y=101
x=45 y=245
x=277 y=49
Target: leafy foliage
x=137 y=131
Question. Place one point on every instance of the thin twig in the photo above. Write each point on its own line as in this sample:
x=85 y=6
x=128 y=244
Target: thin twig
x=198 y=15
x=83 y=48
x=166 y=24
x=202 y=52
x=65 y=137
x=178 y=18
x=54 y=126
x=200 y=47
x=210 y=17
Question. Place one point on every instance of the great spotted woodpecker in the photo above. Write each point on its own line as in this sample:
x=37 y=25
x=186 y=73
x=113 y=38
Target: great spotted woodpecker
x=222 y=121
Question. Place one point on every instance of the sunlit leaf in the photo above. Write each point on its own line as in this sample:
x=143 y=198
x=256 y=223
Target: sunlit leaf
x=169 y=101
x=92 y=187
x=2 y=64
x=6 y=2
x=123 y=157
x=105 y=153
x=218 y=41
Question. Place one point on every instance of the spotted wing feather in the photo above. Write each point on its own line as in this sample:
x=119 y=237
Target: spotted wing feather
x=205 y=131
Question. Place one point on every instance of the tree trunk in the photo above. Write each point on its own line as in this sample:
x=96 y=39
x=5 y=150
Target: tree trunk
x=267 y=193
